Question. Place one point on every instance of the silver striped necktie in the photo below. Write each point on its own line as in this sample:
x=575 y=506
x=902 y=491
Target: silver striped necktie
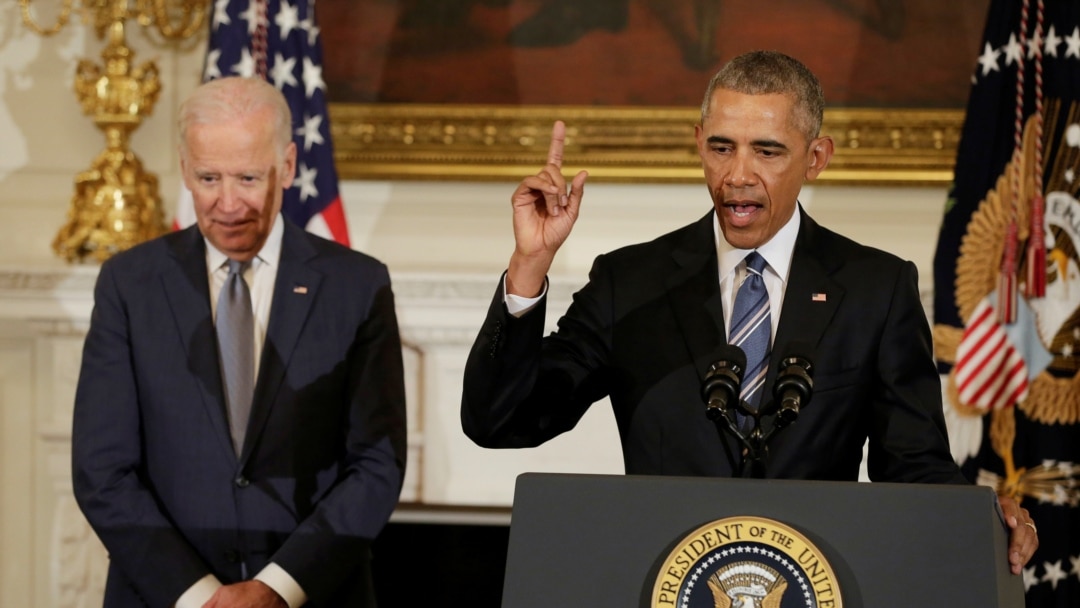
x=751 y=328
x=236 y=341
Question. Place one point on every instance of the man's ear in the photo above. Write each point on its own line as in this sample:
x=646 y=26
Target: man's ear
x=821 y=151
x=288 y=168
x=699 y=137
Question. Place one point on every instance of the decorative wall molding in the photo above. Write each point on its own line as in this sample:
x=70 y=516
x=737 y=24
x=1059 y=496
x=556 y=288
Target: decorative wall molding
x=624 y=144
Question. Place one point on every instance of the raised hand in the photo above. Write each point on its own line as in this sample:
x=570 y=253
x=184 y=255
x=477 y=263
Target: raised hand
x=544 y=213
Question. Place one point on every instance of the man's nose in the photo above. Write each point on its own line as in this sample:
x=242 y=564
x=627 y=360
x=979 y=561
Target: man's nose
x=740 y=172
x=230 y=199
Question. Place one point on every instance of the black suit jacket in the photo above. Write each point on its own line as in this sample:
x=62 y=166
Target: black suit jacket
x=321 y=469
x=648 y=325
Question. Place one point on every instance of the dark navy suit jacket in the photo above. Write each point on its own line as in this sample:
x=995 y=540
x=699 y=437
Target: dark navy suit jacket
x=323 y=461
x=648 y=325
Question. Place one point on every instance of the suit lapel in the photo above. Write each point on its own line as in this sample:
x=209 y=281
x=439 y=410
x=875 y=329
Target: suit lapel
x=295 y=290
x=187 y=292
x=694 y=294
x=810 y=299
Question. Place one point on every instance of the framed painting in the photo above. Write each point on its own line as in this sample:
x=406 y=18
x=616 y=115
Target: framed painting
x=468 y=89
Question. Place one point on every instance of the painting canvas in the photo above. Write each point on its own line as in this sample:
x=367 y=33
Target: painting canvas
x=429 y=84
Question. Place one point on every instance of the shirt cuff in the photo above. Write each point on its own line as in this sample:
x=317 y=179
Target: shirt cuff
x=519 y=305
x=275 y=577
x=199 y=593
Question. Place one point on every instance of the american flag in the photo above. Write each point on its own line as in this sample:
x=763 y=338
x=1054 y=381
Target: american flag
x=990 y=372
x=279 y=40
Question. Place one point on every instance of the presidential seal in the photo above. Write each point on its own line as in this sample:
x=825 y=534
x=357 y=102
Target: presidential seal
x=745 y=562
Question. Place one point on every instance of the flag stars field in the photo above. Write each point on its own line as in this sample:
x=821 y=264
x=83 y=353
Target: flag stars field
x=1014 y=50
x=282 y=72
x=287 y=19
x=281 y=38
x=311 y=131
x=305 y=181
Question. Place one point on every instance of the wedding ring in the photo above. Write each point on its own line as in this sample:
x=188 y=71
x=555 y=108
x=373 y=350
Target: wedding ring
x=1032 y=525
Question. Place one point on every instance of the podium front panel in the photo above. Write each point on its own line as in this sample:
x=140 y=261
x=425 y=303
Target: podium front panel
x=599 y=540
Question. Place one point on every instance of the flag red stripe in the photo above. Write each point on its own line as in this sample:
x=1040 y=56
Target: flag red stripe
x=987 y=354
x=971 y=330
x=1004 y=381
x=334 y=216
x=1000 y=360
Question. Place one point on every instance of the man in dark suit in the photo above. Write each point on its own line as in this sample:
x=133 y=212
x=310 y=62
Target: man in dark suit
x=654 y=316
x=199 y=502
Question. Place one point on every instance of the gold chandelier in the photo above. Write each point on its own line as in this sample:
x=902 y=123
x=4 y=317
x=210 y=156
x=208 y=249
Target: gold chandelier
x=116 y=203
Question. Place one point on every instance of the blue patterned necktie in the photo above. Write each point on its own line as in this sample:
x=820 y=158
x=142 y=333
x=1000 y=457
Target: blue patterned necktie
x=751 y=327
x=236 y=341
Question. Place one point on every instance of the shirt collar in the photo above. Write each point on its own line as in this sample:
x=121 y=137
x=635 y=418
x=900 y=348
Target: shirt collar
x=270 y=253
x=777 y=251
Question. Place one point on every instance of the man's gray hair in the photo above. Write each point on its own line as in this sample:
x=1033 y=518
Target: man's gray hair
x=232 y=98
x=767 y=72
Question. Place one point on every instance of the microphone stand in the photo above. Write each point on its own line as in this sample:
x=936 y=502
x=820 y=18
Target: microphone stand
x=755 y=449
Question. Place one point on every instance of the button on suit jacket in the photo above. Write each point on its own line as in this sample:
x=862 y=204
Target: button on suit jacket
x=154 y=469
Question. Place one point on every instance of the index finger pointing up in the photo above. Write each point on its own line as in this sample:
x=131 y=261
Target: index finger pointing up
x=558 y=138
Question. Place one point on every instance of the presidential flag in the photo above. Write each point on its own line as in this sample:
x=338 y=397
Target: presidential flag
x=279 y=40
x=1007 y=282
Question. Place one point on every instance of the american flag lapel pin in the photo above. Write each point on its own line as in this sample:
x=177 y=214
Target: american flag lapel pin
x=817 y=297
x=301 y=289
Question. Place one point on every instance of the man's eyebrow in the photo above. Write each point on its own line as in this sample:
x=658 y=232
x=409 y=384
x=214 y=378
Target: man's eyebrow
x=769 y=143
x=757 y=143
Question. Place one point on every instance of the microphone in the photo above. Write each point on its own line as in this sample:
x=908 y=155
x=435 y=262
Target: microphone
x=723 y=380
x=794 y=383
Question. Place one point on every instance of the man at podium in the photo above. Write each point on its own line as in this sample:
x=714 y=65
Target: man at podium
x=655 y=319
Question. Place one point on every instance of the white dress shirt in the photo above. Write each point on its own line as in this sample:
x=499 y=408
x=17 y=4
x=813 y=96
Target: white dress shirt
x=260 y=277
x=777 y=253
